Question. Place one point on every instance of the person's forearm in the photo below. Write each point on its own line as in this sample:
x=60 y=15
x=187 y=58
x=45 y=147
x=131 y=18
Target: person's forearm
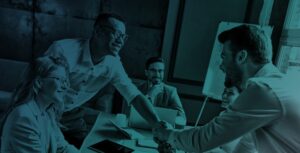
x=146 y=109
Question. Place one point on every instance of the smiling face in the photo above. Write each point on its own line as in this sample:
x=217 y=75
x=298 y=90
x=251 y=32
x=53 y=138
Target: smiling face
x=229 y=95
x=54 y=85
x=155 y=72
x=110 y=36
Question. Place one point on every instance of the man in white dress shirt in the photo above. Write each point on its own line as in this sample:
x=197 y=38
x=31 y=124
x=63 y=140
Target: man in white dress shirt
x=94 y=63
x=268 y=107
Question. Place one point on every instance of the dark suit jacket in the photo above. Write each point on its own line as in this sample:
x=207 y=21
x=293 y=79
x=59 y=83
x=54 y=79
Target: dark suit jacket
x=168 y=98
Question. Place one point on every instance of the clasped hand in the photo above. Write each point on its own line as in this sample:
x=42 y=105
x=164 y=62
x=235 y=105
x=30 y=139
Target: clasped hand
x=162 y=131
x=160 y=135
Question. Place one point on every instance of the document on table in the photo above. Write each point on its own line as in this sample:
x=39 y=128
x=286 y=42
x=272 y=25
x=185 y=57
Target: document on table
x=128 y=132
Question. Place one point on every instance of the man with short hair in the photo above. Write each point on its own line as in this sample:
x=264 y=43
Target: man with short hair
x=159 y=93
x=94 y=63
x=268 y=106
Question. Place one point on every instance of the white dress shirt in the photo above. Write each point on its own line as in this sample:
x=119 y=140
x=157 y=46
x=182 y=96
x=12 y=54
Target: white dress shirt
x=268 y=108
x=86 y=79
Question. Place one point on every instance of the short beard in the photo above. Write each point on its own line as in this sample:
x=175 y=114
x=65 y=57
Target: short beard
x=153 y=81
x=237 y=78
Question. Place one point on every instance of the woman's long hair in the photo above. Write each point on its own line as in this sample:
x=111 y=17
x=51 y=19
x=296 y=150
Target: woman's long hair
x=40 y=69
x=28 y=89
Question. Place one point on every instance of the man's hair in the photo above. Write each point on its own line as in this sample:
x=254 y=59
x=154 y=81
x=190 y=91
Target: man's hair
x=103 y=18
x=153 y=60
x=250 y=38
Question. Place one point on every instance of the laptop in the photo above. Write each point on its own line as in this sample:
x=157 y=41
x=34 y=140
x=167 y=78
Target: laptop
x=137 y=121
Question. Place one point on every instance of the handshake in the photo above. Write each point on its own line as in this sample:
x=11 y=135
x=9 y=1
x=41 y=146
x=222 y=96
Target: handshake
x=161 y=134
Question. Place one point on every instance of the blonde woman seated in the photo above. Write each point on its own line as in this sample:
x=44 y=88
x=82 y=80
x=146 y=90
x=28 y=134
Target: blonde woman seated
x=31 y=125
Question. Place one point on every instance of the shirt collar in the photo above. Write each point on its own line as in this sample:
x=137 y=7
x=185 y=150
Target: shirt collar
x=266 y=70
x=36 y=107
x=86 y=57
x=43 y=106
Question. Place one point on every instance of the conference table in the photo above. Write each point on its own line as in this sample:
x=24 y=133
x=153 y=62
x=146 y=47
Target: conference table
x=104 y=129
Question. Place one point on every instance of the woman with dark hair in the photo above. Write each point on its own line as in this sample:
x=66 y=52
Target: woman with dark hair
x=242 y=144
x=230 y=92
x=31 y=125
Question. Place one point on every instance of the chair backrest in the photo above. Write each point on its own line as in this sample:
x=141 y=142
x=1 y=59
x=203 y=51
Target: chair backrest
x=12 y=72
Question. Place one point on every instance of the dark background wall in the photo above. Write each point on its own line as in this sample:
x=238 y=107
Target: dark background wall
x=189 y=38
x=182 y=31
x=28 y=27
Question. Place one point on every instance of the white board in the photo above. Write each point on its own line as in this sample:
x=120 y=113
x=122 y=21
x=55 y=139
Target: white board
x=214 y=80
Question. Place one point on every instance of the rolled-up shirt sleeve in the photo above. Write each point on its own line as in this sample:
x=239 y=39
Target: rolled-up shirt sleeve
x=123 y=83
x=54 y=51
x=254 y=108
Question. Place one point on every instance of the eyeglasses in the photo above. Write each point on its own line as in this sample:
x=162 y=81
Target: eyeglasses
x=156 y=70
x=114 y=33
x=63 y=81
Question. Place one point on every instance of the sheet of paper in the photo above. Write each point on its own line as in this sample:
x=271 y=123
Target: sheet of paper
x=128 y=132
x=147 y=143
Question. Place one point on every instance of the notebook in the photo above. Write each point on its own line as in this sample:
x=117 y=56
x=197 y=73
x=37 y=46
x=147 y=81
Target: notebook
x=128 y=132
x=165 y=114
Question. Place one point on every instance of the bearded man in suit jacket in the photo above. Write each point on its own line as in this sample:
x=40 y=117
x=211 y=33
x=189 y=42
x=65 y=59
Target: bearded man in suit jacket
x=159 y=93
